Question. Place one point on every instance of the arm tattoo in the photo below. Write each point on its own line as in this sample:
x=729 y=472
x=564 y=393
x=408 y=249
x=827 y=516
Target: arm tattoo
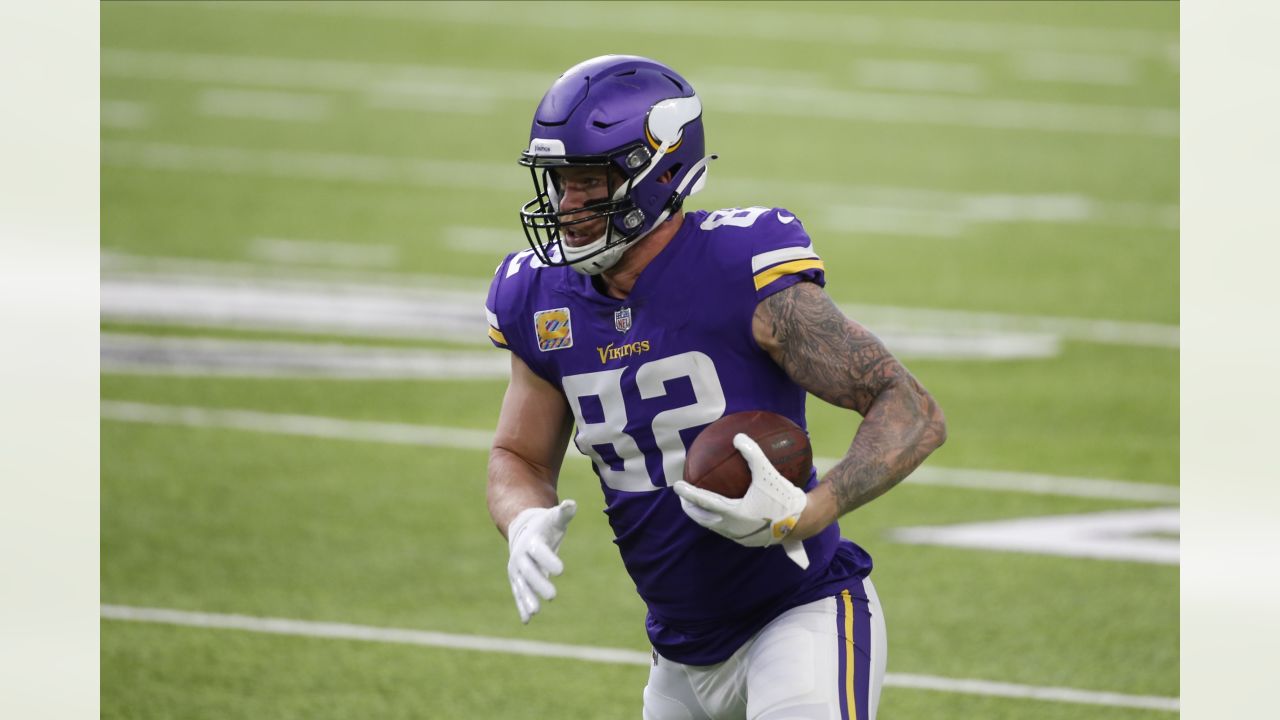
x=846 y=365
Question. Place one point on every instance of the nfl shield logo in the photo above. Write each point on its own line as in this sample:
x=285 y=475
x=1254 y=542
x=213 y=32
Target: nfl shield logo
x=622 y=320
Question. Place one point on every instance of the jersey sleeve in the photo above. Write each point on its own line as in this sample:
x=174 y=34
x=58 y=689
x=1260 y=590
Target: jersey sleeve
x=783 y=254
x=496 y=307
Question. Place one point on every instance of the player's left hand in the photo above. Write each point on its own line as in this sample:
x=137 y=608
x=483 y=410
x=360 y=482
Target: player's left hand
x=764 y=516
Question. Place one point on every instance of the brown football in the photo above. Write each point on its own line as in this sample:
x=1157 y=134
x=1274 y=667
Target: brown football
x=715 y=464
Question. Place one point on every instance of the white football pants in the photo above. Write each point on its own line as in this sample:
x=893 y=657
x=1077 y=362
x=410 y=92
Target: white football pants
x=820 y=661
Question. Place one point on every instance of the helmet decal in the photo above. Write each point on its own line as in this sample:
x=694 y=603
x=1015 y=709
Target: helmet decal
x=666 y=120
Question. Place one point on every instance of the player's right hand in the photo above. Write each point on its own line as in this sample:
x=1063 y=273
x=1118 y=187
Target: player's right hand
x=533 y=537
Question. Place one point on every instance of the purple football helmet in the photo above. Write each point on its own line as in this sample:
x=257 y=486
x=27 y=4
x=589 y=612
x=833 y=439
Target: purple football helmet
x=628 y=113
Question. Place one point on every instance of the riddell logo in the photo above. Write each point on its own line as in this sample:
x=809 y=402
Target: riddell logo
x=617 y=352
x=546 y=146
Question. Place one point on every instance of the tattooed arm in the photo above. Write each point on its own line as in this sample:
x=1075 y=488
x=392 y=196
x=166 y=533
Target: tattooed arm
x=841 y=362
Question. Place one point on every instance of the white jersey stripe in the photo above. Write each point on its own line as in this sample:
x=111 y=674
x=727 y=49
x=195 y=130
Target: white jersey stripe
x=493 y=319
x=773 y=257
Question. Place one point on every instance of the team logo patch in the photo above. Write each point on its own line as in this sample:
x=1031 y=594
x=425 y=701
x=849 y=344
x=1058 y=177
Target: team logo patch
x=622 y=320
x=554 y=329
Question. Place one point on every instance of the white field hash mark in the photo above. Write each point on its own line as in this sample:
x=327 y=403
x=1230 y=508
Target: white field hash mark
x=467 y=439
x=618 y=656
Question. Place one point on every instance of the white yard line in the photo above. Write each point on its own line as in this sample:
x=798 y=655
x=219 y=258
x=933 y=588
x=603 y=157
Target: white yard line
x=264 y=105
x=489 y=241
x=886 y=318
x=1031 y=692
x=289 y=164
x=848 y=208
x=428 y=87
x=767 y=25
x=618 y=656
x=205 y=357
x=425 y=314
x=1115 y=70
x=943 y=110
x=220 y=294
x=124 y=114
x=300 y=425
x=1038 y=484
x=323 y=252
x=291 y=306
x=466 y=439
x=125 y=265
x=919 y=76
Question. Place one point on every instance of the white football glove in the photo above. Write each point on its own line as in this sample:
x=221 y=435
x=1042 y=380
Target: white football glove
x=533 y=537
x=762 y=517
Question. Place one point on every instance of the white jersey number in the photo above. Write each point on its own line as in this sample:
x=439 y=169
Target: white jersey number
x=737 y=217
x=609 y=424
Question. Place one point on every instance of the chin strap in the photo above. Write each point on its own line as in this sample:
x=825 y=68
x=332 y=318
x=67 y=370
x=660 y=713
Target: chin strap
x=690 y=178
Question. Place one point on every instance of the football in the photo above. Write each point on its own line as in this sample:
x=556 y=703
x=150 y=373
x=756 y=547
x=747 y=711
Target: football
x=715 y=464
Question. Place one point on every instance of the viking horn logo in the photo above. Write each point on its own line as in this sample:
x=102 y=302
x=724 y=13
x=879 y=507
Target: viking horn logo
x=666 y=120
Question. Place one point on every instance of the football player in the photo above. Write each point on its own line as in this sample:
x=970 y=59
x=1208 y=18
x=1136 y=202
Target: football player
x=632 y=324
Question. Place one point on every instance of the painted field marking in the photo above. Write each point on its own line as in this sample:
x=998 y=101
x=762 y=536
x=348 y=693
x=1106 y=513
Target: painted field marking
x=944 y=110
x=134 y=354
x=471 y=86
x=1111 y=332
x=264 y=105
x=124 y=114
x=1038 y=484
x=124 y=265
x=218 y=357
x=424 y=314
x=1041 y=66
x=848 y=208
x=617 y=656
x=323 y=252
x=949 y=210
x=919 y=75
x=295 y=306
x=488 y=241
x=467 y=439
x=211 y=293
x=299 y=425
x=1111 y=535
x=792 y=25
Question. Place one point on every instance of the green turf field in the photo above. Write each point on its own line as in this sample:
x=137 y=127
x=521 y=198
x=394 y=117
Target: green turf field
x=297 y=197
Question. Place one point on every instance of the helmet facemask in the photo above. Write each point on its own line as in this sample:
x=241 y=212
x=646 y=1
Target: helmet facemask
x=545 y=224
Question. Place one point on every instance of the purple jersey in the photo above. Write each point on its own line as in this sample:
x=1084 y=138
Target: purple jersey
x=643 y=376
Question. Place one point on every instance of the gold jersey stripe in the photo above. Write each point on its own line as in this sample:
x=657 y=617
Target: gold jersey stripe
x=764 y=277
x=497 y=335
x=850 y=696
